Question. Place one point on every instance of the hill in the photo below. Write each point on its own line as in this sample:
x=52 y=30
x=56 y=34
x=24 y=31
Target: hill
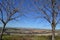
x=18 y=31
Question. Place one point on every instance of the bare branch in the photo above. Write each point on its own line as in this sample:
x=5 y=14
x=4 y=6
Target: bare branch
x=47 y=9
x=47 y=19
x=58 y=22
x=13 y=12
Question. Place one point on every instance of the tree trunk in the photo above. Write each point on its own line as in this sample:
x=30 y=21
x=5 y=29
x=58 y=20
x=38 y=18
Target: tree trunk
x=3 y=29
x=53 y=32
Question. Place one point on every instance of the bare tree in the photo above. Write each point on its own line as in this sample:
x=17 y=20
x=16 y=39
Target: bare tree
x=50 y=12
x=8 y=12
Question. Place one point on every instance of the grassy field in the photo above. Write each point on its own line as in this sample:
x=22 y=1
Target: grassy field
x=28 y=37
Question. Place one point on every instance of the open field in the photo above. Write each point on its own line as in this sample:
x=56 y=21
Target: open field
x=29 y=34
x=28 y=37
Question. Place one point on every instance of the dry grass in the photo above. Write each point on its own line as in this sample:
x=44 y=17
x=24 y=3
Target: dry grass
x=29 y=37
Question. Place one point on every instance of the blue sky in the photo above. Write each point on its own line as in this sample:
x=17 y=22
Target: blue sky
x=29 y=22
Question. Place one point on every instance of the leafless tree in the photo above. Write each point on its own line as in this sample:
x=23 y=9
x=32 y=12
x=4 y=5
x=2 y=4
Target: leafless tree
x=50 y=11
x=8 y=12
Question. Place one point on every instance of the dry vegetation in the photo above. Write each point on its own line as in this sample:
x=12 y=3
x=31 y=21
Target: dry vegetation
x=28 y=37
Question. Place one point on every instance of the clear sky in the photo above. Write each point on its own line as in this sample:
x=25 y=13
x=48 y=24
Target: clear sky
x=29 y=22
